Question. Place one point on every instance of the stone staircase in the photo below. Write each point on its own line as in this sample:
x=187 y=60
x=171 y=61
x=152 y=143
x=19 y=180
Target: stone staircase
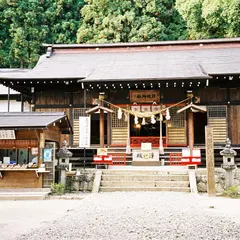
x=24 y=193
x=144 y=180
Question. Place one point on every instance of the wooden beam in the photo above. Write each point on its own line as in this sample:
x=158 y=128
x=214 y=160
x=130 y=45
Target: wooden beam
x=210 y=161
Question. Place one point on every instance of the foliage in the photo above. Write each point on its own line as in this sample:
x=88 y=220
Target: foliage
x=69 y=187
x=57 y=188
x=232 y=192
x=211 y=18
x=26 y=24
x=130 y=21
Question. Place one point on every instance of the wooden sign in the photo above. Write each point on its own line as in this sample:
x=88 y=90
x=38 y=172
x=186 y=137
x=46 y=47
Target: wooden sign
x=84 y=132
x=7 y=134
x=144 y=96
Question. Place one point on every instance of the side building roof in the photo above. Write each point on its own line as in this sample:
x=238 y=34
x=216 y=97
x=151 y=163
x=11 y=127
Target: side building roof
x=34 y=120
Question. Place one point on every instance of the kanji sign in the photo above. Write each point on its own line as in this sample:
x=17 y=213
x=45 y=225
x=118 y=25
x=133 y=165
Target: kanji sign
x=84 y=132
x=144 y=96
x=7 y=134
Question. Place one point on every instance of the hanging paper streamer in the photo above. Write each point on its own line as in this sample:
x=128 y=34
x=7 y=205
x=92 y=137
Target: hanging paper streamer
x=143 y=121
x=136 y=120
x=153 y=120
x=125 y=117
x=119 y=113
x=168 y=114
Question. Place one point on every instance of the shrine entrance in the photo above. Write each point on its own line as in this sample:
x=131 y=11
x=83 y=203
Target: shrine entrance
x=146 y=132
x=200 y=121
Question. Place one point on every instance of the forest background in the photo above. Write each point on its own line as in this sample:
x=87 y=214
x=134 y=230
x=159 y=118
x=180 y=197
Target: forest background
x=26 y=24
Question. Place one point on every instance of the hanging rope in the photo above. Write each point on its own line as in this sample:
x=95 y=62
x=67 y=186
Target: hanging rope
x=145 y=114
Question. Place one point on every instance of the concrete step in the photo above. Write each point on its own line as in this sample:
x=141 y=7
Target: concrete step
x=24 y=193
x=23 y=196
x=47 y=190
x=145 y=184
x=135 y=189
x=145 y=177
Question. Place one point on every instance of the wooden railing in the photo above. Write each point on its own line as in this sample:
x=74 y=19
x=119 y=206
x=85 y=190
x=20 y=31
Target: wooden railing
x=136 y=141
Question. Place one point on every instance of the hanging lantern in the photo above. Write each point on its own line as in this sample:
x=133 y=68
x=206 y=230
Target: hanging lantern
x=143 y=121
x=168 y=114
x=153 y=120
x=119 y=113
x=136 y=120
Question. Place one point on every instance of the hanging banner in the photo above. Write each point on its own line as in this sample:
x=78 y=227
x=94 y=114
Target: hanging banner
x=144 y=96
x=84 y=132
x=146 y=108
x=135 y=108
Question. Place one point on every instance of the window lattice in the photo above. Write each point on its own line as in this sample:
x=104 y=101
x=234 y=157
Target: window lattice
x=217 y=111
x=177 y=119
x=117 y=123
x=78 y=112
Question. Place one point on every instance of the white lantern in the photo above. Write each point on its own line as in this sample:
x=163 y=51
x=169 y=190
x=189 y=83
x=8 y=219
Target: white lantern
x=143 y=121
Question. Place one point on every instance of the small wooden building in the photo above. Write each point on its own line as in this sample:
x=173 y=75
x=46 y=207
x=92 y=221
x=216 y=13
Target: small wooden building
x=28 y=142
x=145 y=77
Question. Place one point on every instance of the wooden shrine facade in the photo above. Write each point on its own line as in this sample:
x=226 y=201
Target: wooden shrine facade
x=69 y=78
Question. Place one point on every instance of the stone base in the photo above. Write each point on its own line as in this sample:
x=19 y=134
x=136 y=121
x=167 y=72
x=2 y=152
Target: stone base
x=146 y=163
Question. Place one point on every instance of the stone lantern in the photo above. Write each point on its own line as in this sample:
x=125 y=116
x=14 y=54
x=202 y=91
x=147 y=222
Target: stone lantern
x=64 y=154
x=228 y=162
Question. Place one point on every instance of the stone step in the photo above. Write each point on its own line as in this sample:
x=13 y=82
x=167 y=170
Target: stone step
x=143 y=172
x=144 y=184
x=135 y=189
x=145 y=177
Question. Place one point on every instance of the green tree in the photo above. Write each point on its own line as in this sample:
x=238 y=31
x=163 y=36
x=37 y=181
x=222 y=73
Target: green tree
x=65 y=20
x=210 y=18
x=26 y=24
x=130 y=21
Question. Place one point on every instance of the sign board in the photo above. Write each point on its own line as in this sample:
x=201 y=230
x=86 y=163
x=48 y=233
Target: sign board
x=146 y=146
x=139 y=155
x=144 y=96
x=84 y=132
x=194 y=159
x=34 y=151
x=7 y=134
x=6 y=160
x=102 y=151
x=47 y=155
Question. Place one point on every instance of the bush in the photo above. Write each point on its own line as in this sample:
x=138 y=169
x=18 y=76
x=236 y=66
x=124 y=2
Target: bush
x=70 y=185
x=57 y=188
x=232 y=192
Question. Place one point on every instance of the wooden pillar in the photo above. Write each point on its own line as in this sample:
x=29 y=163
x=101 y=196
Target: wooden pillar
x=109 y=129
x=101 y=122
x=190 y=131
x=210 y=161
x=229 y=121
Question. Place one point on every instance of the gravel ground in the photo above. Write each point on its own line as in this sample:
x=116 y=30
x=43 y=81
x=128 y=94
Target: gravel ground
x=142 y=215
